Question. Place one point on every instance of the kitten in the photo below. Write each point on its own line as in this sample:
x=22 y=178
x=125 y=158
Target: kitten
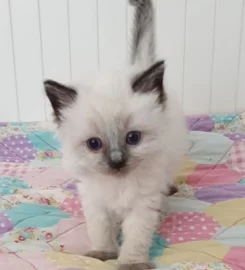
x=123 y=137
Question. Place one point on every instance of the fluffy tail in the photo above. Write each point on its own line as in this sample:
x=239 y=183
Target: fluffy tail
x=143 y=51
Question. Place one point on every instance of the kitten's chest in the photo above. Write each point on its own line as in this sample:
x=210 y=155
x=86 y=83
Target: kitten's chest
x=119 y=197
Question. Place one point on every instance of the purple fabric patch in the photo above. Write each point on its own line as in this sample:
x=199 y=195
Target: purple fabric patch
x=235 y=136
x=71 y=186
x=220 y=193
x=17 y=149
x=3 y=124
x=5 y=224
x=203 y=124
x=191 y=120
x=8 y=156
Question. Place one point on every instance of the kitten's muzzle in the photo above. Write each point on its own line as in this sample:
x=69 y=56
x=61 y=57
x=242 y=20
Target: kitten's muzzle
x=116 y=160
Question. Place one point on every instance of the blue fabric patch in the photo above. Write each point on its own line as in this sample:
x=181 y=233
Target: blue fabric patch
x=16 y=124
x=242 y=182
x=27 y=215
x=208 y=148
x=157 y=247
x=8 y=185
x=224 y=118
x=44 y=140
x=233 y=236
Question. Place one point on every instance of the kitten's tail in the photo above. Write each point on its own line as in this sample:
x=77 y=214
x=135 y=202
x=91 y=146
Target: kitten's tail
x=143 y=51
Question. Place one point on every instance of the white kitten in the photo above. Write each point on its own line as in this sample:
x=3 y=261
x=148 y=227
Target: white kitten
x=123 y=137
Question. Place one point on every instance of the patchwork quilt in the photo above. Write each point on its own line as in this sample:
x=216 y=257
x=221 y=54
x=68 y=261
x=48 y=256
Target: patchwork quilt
x=42 y=225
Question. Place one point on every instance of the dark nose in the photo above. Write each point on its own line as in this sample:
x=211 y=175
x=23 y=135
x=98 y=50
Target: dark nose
x=116 y=160
x=117 y=165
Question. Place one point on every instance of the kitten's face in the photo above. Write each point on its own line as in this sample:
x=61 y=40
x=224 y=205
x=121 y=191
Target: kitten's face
x=110 y=127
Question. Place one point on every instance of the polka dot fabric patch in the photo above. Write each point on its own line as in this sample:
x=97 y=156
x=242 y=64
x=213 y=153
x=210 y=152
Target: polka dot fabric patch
x=17 y=149
x=6 y=155
x=72 y=206
x=5 y=224
x=224 y=118
x=185 y=227
x=236 y=136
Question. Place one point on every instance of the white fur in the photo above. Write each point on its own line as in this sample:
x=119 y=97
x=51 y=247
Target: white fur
x=105 y=105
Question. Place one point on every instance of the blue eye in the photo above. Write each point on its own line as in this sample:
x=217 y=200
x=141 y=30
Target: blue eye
x=94 y=144
x=133 y=137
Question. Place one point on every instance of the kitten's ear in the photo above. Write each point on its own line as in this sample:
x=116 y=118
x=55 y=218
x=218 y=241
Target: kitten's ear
x=60 y=97
x=151 y=80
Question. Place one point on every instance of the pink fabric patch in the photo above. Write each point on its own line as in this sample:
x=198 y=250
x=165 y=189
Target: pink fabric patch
x=186 y=227
x=72 y=206
x=14 y=169
x=46 y=177
x=68 y=231
x=235 y=258
x=39 y=261
x=236 y=158
x=13 y=262
x=206 y=175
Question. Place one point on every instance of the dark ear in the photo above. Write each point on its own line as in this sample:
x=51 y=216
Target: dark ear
x=60 y=97
x=150 y=81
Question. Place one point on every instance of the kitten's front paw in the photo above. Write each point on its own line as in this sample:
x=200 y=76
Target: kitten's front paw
x=136 y=266
x=102 y=255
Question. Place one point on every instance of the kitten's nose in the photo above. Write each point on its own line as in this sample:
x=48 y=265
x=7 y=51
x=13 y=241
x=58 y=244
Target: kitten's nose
x=116 y=160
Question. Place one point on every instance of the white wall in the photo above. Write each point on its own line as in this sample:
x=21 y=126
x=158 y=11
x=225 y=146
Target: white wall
x=203 y=42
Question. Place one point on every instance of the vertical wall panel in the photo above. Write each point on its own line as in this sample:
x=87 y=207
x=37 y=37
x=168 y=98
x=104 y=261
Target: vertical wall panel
x=112 y=26
x=226 y=55
x=202 y=41
x=170 y=40
x=55 y=41
x=130 y=20
x=83 y=36
x=8 y=97
x=240 y=101
x=27 y=51
x=198 y=55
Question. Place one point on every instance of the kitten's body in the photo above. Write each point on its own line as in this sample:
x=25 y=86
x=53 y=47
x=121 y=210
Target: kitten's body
x=109 y=106
x=160 y=155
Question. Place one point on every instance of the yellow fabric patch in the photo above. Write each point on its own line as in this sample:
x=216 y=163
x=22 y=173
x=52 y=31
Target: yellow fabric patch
x=199 y=251
x=187 y=168
x=228 y=213
x=64 y=260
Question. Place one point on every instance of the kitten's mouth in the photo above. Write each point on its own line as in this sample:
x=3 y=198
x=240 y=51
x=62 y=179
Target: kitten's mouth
x=121 y=171
x=125 y=170
x=118 y=172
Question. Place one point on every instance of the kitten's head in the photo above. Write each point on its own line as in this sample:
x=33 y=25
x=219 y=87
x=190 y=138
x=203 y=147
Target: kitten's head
x=111 y=125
